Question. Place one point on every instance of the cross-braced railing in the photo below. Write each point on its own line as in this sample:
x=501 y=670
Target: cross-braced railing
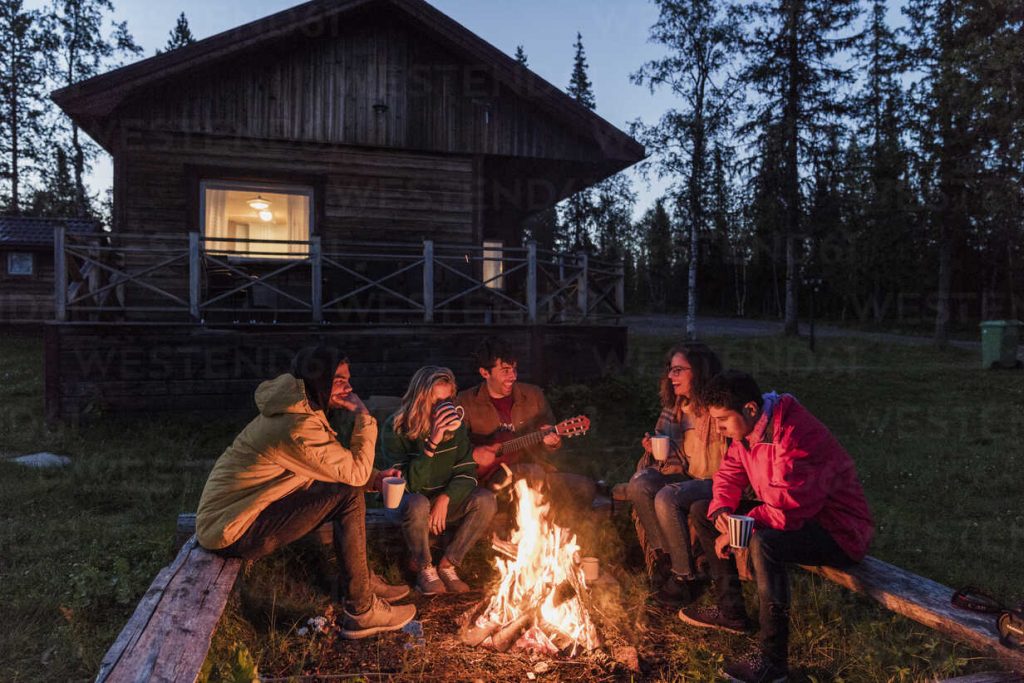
x=191 y=277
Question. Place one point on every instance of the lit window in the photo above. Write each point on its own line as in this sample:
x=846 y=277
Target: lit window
x=493 y=266
x=20 y=263
x=241 y=211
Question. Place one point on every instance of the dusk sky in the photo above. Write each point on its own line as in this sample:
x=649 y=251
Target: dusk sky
x=614 y=36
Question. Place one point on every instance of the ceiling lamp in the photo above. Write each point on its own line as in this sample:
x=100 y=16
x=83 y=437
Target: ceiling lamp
x=266 y=215
x=259 y=203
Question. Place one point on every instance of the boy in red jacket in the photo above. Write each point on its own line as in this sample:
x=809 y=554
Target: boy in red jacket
x=810 y=509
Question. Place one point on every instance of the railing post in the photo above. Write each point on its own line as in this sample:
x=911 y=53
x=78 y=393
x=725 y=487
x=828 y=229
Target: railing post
x=428 y=281
x=531 y=282
x=194 y=272
x=583 y=286
x=316 y=269
x=620 y=289
x=60 y=271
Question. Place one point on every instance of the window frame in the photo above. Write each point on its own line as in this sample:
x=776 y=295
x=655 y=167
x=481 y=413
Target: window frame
x=257 y=187
x=492 y=245
x=32 y=264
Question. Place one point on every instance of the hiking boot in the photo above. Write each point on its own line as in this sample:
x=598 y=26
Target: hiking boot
x=713 y=617
x=677 y=591
x=428 y=582
x=756 y=668
x=385 y=591
x=661 y=568
x=381 y=617
x=451 y=580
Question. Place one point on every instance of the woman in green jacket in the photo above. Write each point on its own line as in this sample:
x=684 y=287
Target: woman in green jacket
x=427 y=440
x=286 y=474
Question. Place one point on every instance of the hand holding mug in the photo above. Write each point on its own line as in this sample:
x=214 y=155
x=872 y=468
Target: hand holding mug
x=722 y=547
x=378 y=480
x=646 y=442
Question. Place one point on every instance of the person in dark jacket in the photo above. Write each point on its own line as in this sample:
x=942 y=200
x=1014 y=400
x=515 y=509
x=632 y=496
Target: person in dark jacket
x=811 y=510
x=427 y=441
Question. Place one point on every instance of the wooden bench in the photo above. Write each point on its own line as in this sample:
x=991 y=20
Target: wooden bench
x=923 y=600
x=168 y=636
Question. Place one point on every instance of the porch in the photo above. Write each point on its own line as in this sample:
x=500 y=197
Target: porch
x=190 y=278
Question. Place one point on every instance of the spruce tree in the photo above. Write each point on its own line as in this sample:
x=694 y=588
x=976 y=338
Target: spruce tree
x=84 y=49
x=577 y=212
x=23 y=45
x=791 y=67
x=521 y=56
x=656 y=235
x=698 y=36
x=180 y=35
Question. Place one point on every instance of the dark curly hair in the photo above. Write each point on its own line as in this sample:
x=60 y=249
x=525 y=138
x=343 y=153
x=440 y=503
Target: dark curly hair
x=705 y=365
x=491 y=350
x=732 y=389
x=315 y=366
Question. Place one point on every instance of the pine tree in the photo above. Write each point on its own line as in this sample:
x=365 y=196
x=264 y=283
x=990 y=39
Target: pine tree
x=656 y=234
x=521 y=56
x=945 y=48
x=57 y=195
x=790 y=49
x=23 y=46
x=576 y=214
x=82 y=51
x=698 y=36
x=180 y=35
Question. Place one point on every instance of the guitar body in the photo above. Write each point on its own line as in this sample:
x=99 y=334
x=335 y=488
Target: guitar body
x=509 y=447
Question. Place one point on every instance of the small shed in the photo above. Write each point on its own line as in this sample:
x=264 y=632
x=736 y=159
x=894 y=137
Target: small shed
x=26 y=265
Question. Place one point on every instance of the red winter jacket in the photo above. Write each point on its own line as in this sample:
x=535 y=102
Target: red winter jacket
x=800 y=472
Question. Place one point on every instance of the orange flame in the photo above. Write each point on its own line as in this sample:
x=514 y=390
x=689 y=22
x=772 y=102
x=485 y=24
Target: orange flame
x=545 y=562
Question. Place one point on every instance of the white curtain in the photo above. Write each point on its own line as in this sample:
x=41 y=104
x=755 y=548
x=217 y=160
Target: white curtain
x=216 y=220
x=298 y=223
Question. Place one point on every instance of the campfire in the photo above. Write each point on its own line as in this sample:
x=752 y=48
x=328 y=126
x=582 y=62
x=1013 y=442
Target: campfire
x=539 y=603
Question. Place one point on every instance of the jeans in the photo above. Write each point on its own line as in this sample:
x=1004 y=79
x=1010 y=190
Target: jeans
x=292 y=517
x=770 y=551
x=672 y=508
x=641 y=490
x=413 y=514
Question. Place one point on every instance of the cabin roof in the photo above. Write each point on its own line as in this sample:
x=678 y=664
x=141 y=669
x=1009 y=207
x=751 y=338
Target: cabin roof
x=26 y=231
x=93 y=99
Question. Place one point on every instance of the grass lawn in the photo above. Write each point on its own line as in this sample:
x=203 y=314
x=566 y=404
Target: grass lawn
x=936 y=441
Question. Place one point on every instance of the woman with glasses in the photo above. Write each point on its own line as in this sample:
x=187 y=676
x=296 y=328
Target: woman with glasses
x=428 y=442
x=662 y=491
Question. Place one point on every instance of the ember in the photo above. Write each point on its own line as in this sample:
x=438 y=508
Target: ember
x=539 y=602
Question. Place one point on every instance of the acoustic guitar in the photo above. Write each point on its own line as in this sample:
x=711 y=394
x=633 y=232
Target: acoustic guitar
x=567 y=429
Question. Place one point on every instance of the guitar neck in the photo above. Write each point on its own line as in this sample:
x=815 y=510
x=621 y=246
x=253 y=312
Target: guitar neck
x=521 y=442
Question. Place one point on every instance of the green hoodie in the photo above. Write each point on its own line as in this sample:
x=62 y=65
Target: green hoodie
x=451 y=470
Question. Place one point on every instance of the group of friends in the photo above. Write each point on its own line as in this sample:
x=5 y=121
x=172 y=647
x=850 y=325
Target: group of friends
x=315 y=449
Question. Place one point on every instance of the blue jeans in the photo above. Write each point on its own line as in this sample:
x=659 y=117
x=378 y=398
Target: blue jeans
x=641 y=490
x=672 y=509
x=473 y=516
x=292 y=517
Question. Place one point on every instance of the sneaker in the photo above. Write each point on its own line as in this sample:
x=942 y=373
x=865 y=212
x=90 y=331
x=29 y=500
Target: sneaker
x=451 y=580
x=756 y=668
x=385 y=591
x=713 y=617
x=677 y=591
x=379 y=618
x=428 y=582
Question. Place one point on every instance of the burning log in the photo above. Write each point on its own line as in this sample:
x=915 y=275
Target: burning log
x=509 y=634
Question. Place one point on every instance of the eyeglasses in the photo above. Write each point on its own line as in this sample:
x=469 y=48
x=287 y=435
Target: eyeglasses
x=677 y=370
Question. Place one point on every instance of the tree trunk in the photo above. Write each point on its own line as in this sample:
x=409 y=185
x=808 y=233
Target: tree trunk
x=697 y=166
x=792 y=173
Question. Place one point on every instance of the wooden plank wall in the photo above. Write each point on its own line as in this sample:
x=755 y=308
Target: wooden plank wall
x=168 y=367
x=325 y=88
x=27 y=299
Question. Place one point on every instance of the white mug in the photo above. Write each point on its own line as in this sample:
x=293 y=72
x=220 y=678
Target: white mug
x=392 y=489
x=660 y=447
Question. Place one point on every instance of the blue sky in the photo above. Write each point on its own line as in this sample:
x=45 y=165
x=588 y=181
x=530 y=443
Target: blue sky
x=614 y=36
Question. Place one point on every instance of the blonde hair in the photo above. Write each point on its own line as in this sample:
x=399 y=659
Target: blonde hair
x=414 y=416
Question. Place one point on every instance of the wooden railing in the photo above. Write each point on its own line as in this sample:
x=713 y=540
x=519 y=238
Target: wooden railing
x=118 y=277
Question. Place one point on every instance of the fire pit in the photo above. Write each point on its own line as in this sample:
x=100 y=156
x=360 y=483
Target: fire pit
x=540 y=603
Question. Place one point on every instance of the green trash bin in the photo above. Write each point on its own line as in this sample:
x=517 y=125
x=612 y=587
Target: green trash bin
x=999 y=339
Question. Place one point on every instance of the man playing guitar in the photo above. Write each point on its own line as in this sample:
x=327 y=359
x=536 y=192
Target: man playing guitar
x=501 y=409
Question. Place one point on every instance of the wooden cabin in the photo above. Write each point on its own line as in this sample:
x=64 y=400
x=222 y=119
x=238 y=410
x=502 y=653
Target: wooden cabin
x=26 y=265
x=344 y=166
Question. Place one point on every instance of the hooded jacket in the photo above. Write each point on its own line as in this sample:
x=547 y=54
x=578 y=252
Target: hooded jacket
x=800 y=472
x=285 y=448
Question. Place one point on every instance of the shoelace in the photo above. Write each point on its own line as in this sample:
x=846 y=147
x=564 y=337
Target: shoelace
x=430 y=573
x=449 y=573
